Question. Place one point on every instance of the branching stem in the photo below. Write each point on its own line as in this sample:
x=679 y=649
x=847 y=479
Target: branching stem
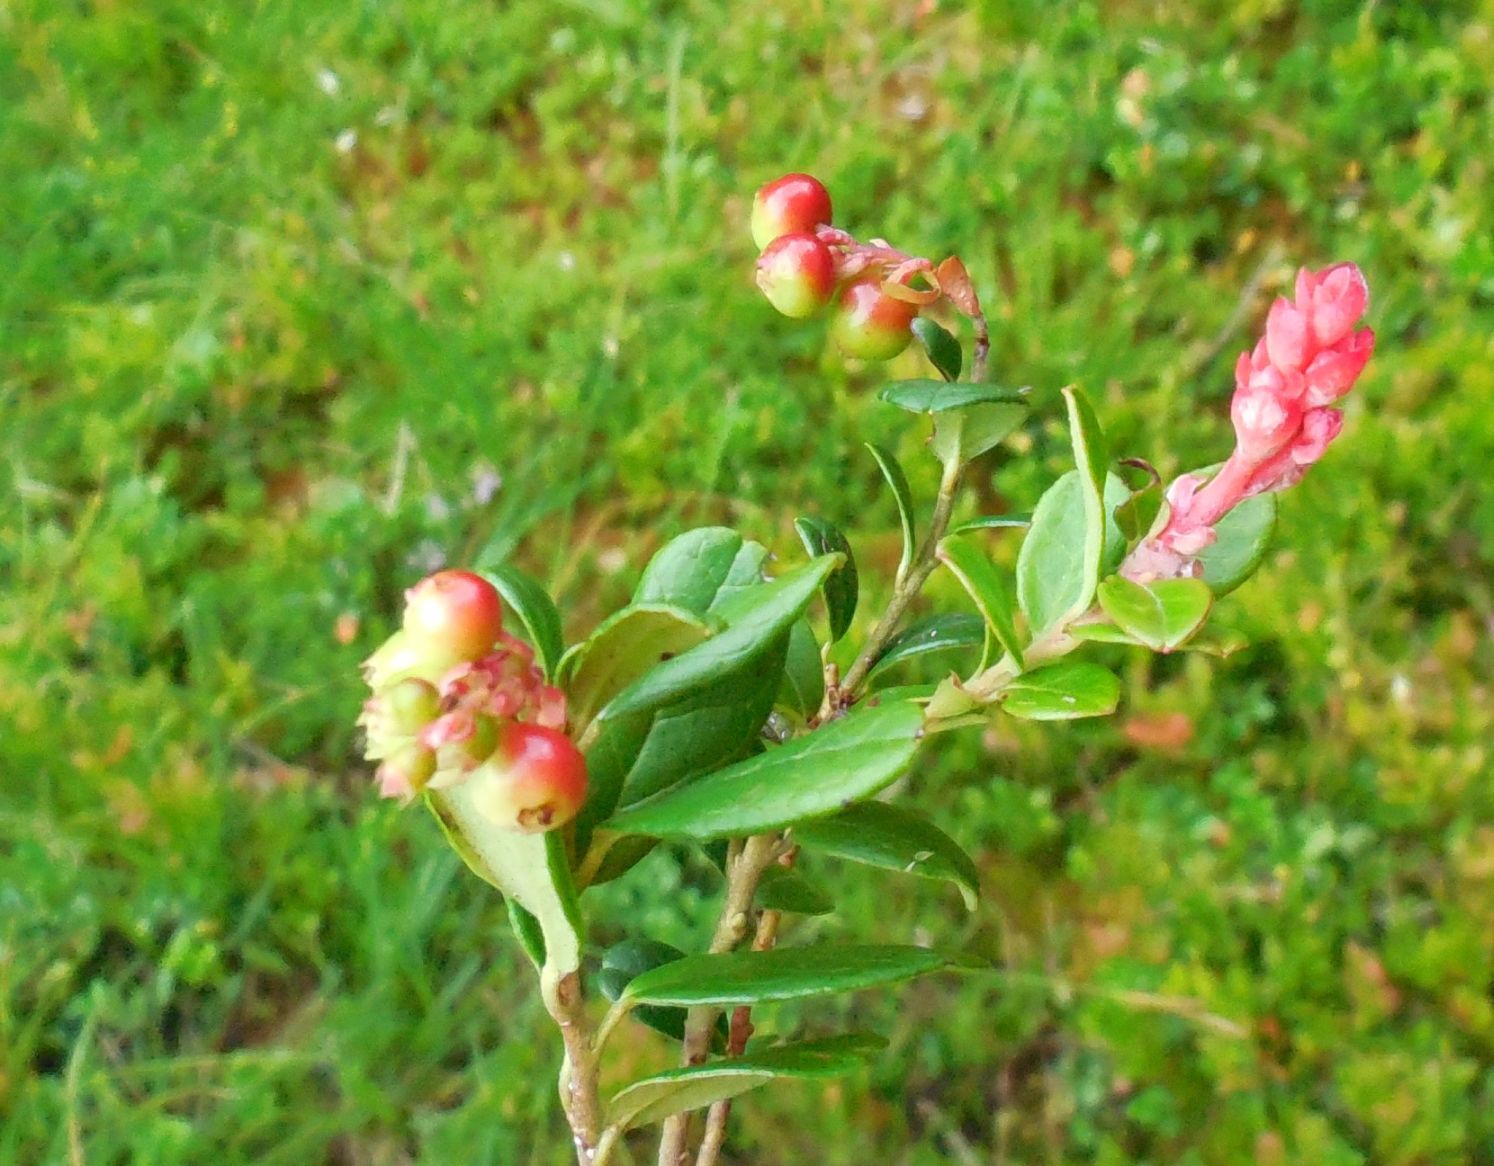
x=744 y=870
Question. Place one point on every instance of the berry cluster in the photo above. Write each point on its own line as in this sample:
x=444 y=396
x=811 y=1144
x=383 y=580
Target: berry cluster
x=1309 y=357
x=457 y=701
x=806 y=264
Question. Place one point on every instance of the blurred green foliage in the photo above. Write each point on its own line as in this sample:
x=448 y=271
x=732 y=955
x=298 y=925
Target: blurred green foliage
x=302 y=298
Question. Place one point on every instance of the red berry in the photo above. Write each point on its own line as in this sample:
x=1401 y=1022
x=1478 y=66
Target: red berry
x=535 y=781
x=797 y=274
x=457 y=610
x=870 y=324
x=793 y=204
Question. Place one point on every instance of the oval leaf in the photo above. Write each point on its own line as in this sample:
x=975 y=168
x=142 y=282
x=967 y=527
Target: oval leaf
x=903 y=495
x=623 y=962
x=892 y=838
x=967 y=561
x=803 y=686
x=1161 y=615
x=993 y=522
x=1062 y=692
x=697 y=1086
x=967 y=434
x=785 y=973
x=624 y=647
x=942 y=348
x=689 y=571
x=760 y=617
x=936 y=633
x=530 y=869
x=844 y=761
x=931 y=396
x=1244 y=535
x=788 y=890
x=535 y=610
x=842 y=587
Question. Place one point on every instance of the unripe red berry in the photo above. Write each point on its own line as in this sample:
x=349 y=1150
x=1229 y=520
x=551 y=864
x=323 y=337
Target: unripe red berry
x=870 y=324
x=793 y=204
x=457 y=610
x=535 y=781
x=797 y=274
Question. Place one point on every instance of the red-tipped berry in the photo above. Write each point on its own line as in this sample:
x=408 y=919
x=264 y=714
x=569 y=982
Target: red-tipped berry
x=870 y=324
x=797 y=274
x=791 y=205
x=535 y=780
x=457 y=610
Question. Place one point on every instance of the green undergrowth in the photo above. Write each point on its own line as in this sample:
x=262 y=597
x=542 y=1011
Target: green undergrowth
x=300 y=300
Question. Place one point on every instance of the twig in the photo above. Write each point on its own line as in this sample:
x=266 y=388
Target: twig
x=738 y=1035
x=745 y=867
x=923 y=566
x=578 y=1075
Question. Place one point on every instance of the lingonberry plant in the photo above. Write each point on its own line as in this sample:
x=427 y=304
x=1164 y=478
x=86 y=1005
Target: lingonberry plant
x=710 y=711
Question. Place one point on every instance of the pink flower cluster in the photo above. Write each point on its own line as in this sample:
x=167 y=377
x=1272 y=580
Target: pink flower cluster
x=436 y=737
x=1310 y=356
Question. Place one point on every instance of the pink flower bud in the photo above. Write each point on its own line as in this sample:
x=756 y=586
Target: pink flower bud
x=1333 y=371
x=1335 y=300
x=1266 y=412
x=462 y=740
x=1319 y=428
x=405 y=772
x=1288 y=338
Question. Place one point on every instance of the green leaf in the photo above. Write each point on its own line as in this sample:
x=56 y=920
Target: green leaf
x=1059 y=564
x=842 y=587
x=1064 y=691
x=623 y=962
x=788 y=890
x=967 y=434
x=1244 y=536
x=528 y=932
x=1117 y=495
x=635 y=756
x=680 y=1090
x=1090 y=454
x=901 y=493
x=757 y=620
x=803 y=686
x=892 y=838
x=785 y=973
x=942 y=348
x=992 y=522
x=1161 y=615
x=690 y=571
x=967 y=560
x=624 y=647
x=935 y=633
x=931 y=396
x=841 y=762
x=529 y=869
x=535 y=610
x=1051 y=577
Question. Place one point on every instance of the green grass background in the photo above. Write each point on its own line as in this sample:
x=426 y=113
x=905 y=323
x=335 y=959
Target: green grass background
x=286 y=284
